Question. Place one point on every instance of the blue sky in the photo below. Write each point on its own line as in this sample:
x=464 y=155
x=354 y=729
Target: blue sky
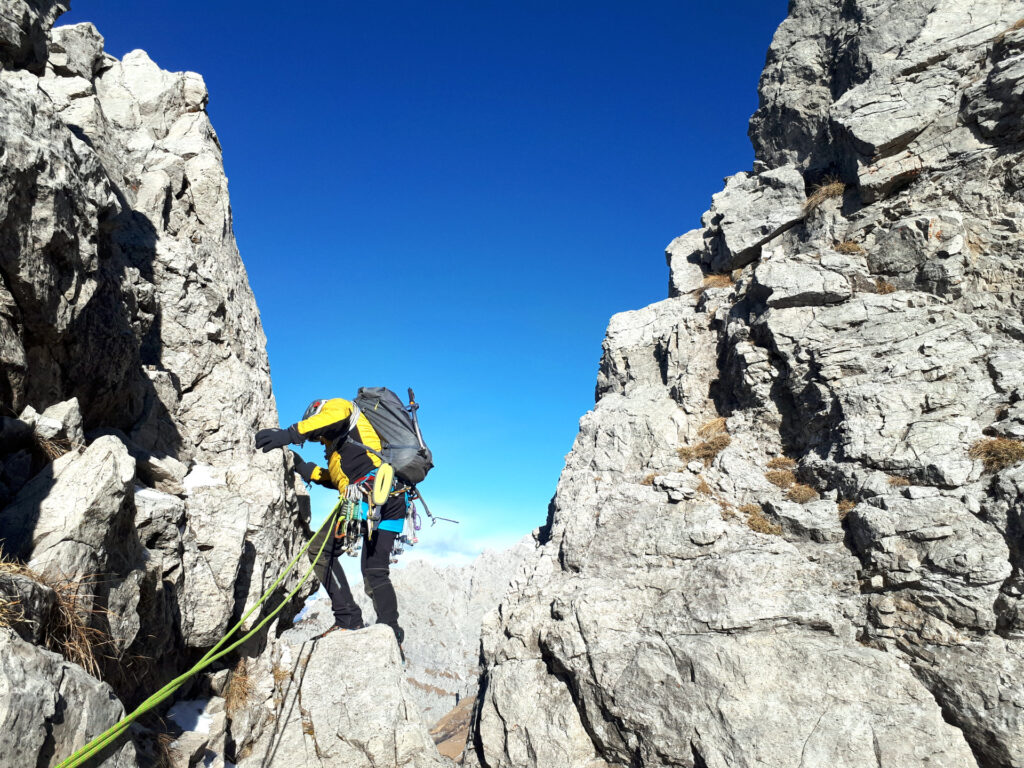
x=456 y=196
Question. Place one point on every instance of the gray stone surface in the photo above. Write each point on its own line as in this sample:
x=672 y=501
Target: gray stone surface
x=24 y=25
x=870 y=342
x=340 y=700
x=750 y=211
x=49 y=706
x=441 y=610
x=129 y=335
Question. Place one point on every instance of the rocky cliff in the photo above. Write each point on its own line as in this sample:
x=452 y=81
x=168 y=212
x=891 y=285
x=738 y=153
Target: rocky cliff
x=136 y=519
x=789 y=533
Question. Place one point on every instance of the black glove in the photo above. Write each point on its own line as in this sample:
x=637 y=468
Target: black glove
x=269 y=439
x=303 y=467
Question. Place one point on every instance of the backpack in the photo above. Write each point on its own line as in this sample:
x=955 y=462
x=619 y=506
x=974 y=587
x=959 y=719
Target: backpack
x=396 y=424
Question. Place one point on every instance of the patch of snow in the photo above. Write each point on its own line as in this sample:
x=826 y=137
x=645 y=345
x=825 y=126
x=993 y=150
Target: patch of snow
x=190 y=715
x=203 y=475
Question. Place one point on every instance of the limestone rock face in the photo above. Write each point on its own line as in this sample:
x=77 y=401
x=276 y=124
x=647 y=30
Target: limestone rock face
x=132 y=351
x=772 y=543
x=339 y=700
x=48 y=707
x=441 y=611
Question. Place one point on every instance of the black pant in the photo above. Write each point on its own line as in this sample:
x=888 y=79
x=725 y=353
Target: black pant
x=375 y=562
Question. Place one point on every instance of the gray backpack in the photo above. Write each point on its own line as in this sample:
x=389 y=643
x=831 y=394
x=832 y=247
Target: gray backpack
x=396 y=424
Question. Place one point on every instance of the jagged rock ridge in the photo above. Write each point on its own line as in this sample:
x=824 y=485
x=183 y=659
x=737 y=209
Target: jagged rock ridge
x=776 y=540
x=136 y=518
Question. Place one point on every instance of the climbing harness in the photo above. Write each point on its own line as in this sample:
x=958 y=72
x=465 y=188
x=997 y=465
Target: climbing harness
x=112 y=734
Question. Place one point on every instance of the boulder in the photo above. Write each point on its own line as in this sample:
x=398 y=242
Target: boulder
x=50 y=707
x=339 y=700
x=750 y=211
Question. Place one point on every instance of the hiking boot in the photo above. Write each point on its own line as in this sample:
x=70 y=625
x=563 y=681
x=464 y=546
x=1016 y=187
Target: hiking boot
x=335 y=628
x=339 y=628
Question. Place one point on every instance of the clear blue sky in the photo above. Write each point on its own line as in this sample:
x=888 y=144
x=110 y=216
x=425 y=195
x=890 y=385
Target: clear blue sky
x=457 y=196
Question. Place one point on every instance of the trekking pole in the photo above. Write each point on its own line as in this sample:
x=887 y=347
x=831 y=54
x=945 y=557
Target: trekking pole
x=413 y=407
x=433 y=519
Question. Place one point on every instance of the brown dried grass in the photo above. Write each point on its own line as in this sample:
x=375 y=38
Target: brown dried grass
x=69 y=631
x=1018 y=24
x=711 y=428
x=703 y=487
x=997 y=453
x=848 y=246
x=648 y=479
x=53 y=449
x=281 y=674
x=780 y=477
x=829 y=188
x=239 y=689
x=717 y=281
x=705 y=450
x=801 y=493
x=756 y=521
x=898 y=482
x=884 y=286
x=782 y=462
x=11 y=611
x=845 y=505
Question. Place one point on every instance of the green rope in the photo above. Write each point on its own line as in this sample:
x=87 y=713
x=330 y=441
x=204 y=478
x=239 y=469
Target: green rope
x=113 y=733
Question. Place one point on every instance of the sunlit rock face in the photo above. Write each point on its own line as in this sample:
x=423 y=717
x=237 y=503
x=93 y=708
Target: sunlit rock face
x=772 y=543
x=132 y=355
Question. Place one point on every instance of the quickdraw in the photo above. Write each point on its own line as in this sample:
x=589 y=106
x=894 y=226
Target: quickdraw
x=360 y=514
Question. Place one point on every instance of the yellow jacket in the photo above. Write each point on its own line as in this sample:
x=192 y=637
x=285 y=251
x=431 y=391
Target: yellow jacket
x=345 y=461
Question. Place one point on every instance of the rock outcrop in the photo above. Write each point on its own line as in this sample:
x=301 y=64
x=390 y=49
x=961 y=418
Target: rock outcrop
x=338 y=700
x=137 y=521
x=442 y=611
x=784 y=535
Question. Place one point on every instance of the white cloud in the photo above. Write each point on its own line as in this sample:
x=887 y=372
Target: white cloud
x=442 y=548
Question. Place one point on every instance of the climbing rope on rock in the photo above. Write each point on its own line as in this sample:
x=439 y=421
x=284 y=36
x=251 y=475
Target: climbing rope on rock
x=112 y=734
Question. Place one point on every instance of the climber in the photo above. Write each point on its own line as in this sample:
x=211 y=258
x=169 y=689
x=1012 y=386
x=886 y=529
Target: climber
x=329 y=422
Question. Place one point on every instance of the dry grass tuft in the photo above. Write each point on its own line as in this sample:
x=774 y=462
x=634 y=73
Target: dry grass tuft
x=69 y=632
x=53 y=449
x=830 y=187
x=782 y=462
x=884 y=286
x=239 y=689
x=717 y=281
x=728 y=510
x=648 y=479
x=997 y=453
x=780 y=477
x=898 y=482
x=281 y=674
x=703 y=487
x=801 y=493
x=1018 y=24
x=712 y=428
x=848 y=246
x=845 y=505
x=166 y=756
x=11 y=611
x=706 y=450
x=756 y=521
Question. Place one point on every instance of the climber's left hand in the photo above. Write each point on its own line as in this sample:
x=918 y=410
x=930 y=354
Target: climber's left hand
x=269 y=439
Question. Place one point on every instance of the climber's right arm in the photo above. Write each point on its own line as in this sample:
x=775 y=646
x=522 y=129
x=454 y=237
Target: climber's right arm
x=334 y=414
